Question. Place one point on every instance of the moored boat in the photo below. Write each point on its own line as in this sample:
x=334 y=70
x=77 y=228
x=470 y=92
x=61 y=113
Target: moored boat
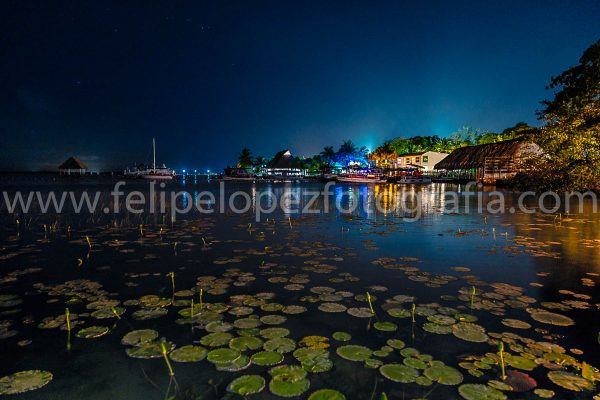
x=361 y=178
x=154 y=173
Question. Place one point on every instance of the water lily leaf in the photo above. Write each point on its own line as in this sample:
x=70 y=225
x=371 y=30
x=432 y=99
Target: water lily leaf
x=24 y=381
x=149 y=350
x=272 y=333
x=550 y=318
x=188 y=353
x=444 y=374
x=141 y=336
x=437 y=328
x=399 y=373
x=288 y=381
x=245 y=343
x=216 y=339
x=326 y=394
x=354 y=352
x=273 y=319
x=341 y=336
x=92 y=332
x=223 y=356
x=396 y=344
x=385 y=326
x=266 y=358
x=469 y=332
x=246 y=385
x=570 y=381
x=476 y=391
x=515 y=323
x=280 y=345
x=332 y=307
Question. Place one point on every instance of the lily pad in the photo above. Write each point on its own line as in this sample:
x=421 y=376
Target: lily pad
x=469 y=332
x=385 y=326
x=475 y=391
x=354 y=352
x=570 y=381
x=24 y=381
x=444 y=374
x=223 y=356
x=273 y=319
x=399 y=373
x=266 y=358
x=92 y=332
x=216 y=339
x=341 y=336
x=288 y=381
x=272 y=333
x=326 y=394
x=149 y=350
x=551 y=318
x=188 y=353
x=280 y=345
x=141 y=336
x=245 y=343
x=246 y=385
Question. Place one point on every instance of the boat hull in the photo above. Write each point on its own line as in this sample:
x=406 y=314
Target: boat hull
x=342 y=179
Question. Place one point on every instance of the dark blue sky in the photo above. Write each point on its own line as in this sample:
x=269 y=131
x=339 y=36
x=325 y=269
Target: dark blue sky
x=205 y=78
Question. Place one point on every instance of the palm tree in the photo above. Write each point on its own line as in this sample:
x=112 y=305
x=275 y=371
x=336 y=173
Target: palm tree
x=245 y=158
x=328 y=155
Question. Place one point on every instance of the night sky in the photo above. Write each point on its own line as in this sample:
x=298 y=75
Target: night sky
x=99 y=80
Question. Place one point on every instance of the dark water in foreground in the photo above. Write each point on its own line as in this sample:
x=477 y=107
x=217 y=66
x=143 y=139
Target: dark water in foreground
x=522 y=266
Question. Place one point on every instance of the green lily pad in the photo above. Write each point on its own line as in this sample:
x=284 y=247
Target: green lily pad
x=341 y=336
x=216 y=339
x=149 y=350
x=399 y=312
x=396 y=344
x=326 y=394
x=332 y=307
x=246 y=385
x=273 y=319
x=437 y=328
x=570 y=381
x=385 y=326
x=354 y=352
x=288 y=381
x=218 y=326
x=399 y=373
x=414 y=363
x=141 y=336
x=245 y=343
x=280 y=345
x=24 y=381
x=444 y=374
x=266 y=358
x=515 y=323
x=469 y=332
x=92 y=332
x=223 y=356
x=247 y=323
x=272 y=333
x=239 y=364
x=475 y=391
x=188 y=353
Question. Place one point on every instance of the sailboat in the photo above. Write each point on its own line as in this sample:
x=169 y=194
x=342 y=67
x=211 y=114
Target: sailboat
x=154 y=173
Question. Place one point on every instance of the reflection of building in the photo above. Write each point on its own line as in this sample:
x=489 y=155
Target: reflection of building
x=72 y=166
x=423 y=159
x=284 y=164
x=488 y=162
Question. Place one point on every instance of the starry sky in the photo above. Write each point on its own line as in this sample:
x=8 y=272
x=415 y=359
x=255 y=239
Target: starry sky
x=99 y=79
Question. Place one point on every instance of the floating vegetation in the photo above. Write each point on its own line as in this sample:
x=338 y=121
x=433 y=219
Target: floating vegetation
x=354 y=352
x=399 y=373
x=189 y=353
x=246 y=385
x=326 y=394
x=288 y=381
x=24 y=381
x=92 y=332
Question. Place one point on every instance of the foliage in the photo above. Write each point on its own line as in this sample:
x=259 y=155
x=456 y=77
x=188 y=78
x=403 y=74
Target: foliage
x=571 y=135
x=245 y=159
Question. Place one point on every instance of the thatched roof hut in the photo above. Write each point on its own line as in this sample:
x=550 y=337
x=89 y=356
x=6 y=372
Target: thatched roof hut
x=489 y=162
x=73 y=165
x=282 y=160
x=476 y=156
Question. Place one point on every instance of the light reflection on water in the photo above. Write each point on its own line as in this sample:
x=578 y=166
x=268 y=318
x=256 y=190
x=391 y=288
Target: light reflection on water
x=505 y=247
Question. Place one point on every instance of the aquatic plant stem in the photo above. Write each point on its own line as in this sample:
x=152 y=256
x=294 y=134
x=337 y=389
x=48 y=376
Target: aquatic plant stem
x=68 y=319
x=370 y=304
x=412 y=313
x=501 y=350
x=164 y=353
x=87 y=238
x=472 y=295
x=114 y=310
x=172 y=275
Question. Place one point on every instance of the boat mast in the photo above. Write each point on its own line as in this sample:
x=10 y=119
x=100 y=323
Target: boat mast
x=153 y=155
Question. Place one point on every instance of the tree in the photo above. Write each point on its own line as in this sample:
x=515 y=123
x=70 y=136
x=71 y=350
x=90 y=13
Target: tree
x=245 y=158
x=328 y=156
x=570 y=137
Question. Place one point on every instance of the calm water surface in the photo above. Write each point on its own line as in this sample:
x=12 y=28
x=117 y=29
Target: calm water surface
x=547 y=262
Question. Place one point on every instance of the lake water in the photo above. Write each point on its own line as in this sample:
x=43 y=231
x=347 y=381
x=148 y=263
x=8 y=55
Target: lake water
x=526 y=279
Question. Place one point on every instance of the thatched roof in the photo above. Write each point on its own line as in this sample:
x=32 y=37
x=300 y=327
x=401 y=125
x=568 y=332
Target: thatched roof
x=475 y=156
x=282 y=159
x=72 y=163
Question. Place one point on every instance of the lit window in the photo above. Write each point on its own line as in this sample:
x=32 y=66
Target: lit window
x=417 y=160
